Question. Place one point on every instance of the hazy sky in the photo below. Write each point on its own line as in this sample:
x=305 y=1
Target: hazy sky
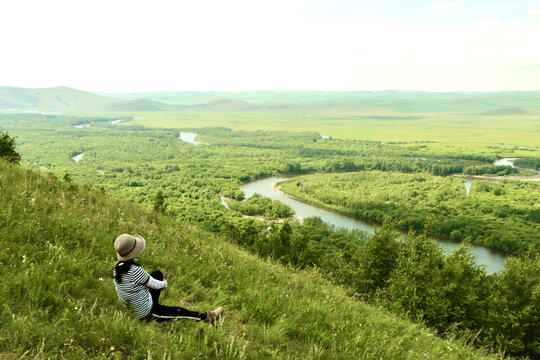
x=235 y=45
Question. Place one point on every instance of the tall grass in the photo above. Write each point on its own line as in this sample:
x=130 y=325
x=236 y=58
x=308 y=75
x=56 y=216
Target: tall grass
x=58 y=301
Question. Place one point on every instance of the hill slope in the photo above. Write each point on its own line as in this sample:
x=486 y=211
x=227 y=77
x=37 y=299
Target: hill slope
x=59 y=301
x=220 y=105
x=67 y=99
x=58 y=98
x=505 y=111
x=400 y=101
x=141 y=105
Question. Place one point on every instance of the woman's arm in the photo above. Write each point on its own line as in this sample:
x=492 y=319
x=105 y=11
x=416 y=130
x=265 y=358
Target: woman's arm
x=156 y=284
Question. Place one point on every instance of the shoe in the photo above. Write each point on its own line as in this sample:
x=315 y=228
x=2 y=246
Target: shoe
x=213 y=315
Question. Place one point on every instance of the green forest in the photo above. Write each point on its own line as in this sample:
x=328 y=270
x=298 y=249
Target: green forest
x=405 y=185
x=503 y=215
x=533 y=163
x=134 y=163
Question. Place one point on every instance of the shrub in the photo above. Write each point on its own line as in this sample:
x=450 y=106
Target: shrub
x=7 y=148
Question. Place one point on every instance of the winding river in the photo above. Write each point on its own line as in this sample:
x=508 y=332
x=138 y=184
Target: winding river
x=510 y=162
x=494 y=261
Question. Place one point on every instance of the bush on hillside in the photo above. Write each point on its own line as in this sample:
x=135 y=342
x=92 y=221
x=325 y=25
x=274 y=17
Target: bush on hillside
x=514 y=320
x=7 y=148
x=449 y=292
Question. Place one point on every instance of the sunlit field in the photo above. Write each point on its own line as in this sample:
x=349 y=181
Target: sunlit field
x=471 y=131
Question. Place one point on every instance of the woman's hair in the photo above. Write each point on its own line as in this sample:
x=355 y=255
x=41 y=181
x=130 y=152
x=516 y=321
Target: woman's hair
x=122 y=267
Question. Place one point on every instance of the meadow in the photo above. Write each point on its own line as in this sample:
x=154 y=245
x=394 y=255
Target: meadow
x=470 y=131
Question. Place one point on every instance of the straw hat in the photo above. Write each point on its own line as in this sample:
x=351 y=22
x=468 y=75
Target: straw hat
x=127 y=246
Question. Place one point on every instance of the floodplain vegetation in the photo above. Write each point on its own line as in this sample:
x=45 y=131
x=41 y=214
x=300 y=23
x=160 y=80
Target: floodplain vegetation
x=533 y=163
x=135 y=163
x=175 y=184
x=503 y=215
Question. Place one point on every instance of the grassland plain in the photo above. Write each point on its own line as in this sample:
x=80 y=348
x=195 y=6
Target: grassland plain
x=467 y=130
x=58 y=299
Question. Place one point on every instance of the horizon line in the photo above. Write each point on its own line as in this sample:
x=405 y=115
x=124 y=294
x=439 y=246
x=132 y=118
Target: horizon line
x=272 y=90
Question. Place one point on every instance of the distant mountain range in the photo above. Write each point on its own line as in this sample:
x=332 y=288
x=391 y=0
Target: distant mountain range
x=65 y=99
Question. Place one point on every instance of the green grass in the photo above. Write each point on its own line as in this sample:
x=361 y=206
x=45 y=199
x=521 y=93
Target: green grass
x=471 y=131
x=58 y=298
x=447 y=118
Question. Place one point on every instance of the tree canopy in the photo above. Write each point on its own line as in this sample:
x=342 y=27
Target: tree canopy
x=7 y=148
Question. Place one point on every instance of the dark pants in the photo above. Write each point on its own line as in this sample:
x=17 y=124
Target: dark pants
x=163 y=313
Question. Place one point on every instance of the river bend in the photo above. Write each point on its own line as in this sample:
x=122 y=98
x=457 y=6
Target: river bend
x=494 y=261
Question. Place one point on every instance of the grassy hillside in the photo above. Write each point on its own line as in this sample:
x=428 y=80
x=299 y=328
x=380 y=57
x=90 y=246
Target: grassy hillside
x=58 y=98
x=58 y=299
x=67 y=99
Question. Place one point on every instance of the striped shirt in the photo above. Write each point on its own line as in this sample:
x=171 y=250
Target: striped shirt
x=133 y=292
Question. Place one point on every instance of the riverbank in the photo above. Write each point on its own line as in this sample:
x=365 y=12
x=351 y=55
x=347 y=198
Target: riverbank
x=270 y=187
x=277 y=188
x=496 y=178
x=411 y=199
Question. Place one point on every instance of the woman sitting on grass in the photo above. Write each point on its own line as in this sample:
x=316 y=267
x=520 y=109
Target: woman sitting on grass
x=140 y=291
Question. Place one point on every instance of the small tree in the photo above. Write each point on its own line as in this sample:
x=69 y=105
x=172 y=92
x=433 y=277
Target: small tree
x=378 y=258
x=7 y=148
x=159 y=202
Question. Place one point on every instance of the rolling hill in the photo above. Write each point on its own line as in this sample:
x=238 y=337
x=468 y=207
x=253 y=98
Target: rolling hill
x=505 y=112
x=399 y=101
x=142 y=105
x=67 y=99
x=220 y=105
x=58 y=98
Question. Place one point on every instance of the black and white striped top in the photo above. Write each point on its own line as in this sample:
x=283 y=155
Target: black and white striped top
x=133 y=292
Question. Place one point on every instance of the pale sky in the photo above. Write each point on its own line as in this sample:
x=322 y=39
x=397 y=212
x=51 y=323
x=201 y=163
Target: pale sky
x=241 y=45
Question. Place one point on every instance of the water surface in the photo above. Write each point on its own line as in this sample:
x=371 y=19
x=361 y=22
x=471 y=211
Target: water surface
x=189 y=138
x=78 y=157
x=493 y=260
